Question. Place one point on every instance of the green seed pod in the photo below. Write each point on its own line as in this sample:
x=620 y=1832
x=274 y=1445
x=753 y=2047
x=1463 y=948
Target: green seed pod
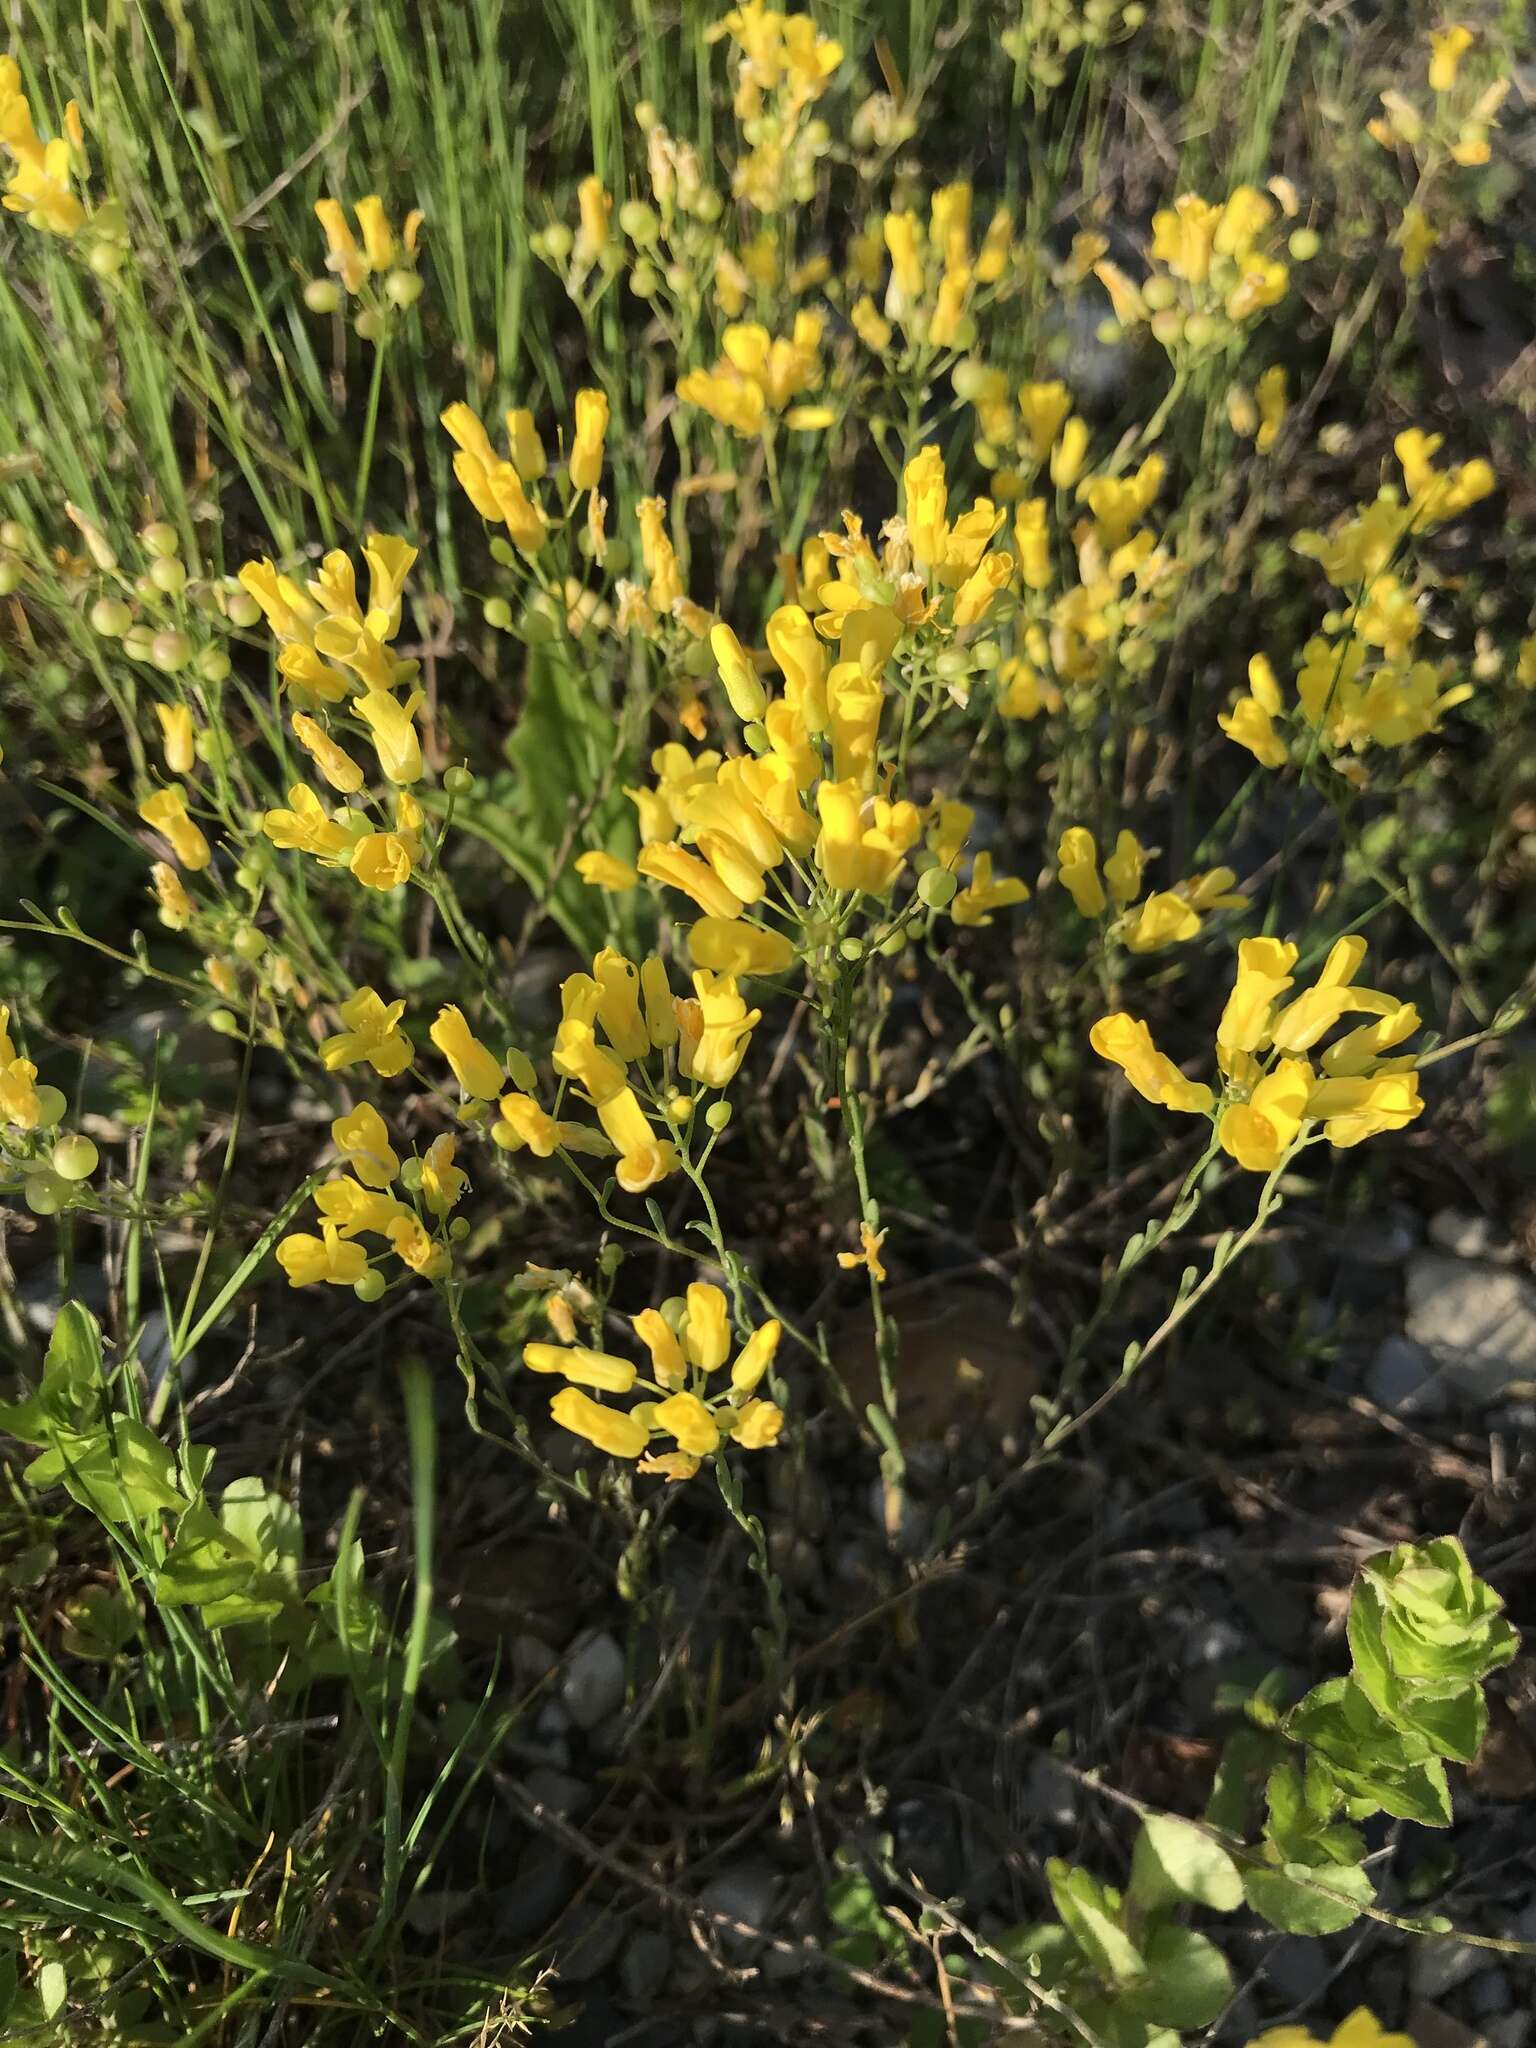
x=168 y=577
x=10 y=575
x=322 y=295
x=497 y=613
x=370 y=1287
x=1304 y=244
x=639 y=221
x=213 y=665
x=170 y=651
x=51 y=1105
x=403 y=288
x=160 y=539
x=248 y=944
x=45 y=1194
x=242 y=609
x=1160 y=293
x=74 y=1157
x=718 y=1115
x=458 y=781
x=937 y=888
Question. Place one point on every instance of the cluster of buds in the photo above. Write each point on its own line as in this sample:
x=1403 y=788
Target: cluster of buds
x=688 y=1340
x=1212 y=269
x=159 y=613
x=50 y=1166
x=783 y=66
x=1050 y=33
x=354 y=265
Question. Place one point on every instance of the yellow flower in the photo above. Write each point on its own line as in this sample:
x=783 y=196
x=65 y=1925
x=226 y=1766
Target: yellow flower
x=528 y=457
x=757 y=1425
x=307 y=827
x=1123 y=869
x=1044 y=408
x=1263 y=975
x=656 y=999
x=333 y=761
x=19 y=1104
x=1077 y=861
x=755 y=1357
x=177 y=908
x=354 y=1209
x=475 y=1068
x=732 y=946
x=38 y=187
x=1032 y=539
x=868 y=1254
x=982 y=895
x=442 y=1183
x=308 y=1260
x=1165 y=919
x=1360 y=1106
x=1127 y=1043
x=796 y=647
x=1259 y=1132
x=373 y=1035
x=706 y=1327
x=725 y=1025
x=343 y=256
x=382 y=860
x=409 y=1240
x=1270 y=393
x=859 y=847
x=685 y=1417
x=1184 y=236
x=743 y=685
x=586 y=460
x=176 y=738
x=595 y=206
x=618 y=1004
x=606 y=871
x=1250 y=722
x=1416 y=238
x=620 y=1435
x=492 y=485
x=528 y=1124
x=679 y=869
x=166 y=813
x=1361 y=2030
x=362 y=1139
x=1447 y=47
x=668 y=1364
x=395 y=739
x=1025 y=692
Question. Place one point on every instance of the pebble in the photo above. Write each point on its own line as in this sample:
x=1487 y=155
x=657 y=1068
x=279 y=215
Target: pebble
x=1478 y=1320
x=593 y=1685
x=1049 y=1794
x=1210 y=1640
x=1382 y=1240
x=558 y=1790
x=1489 y=1993
x=1403 y=1379
x=1510 y=2030
x=532 y=1658
x=744 y=1891
x=1298 y=1968
x=1468 y=1236
x=645 y=1966
x=1436 y=1966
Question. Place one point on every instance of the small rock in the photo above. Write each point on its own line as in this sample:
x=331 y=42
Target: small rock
x=745 y=1892
x=532 y=1658
x=588 y=1941
x=1489 y=1993
x=1478 y=1320
x=593 y=1685
x=1468 y=1236
x=1049 y=1794
x=1404 y=1379
x=645 y=1966
x=1210 y=1640
x=558 y=1790
x=1435 y=1966
x=1379 y=1240
x=1510 y=2030
x=1297 y=1968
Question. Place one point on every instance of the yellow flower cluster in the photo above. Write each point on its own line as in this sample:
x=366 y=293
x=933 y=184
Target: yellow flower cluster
x=497 y=485
x=39 y=185
x=353 y=264
x=1166 y=917
x=1359 y=684
x=1212 y=268
x=335 y=657
x=29 y=1114
x=783 y=66
x=689 y=1341
x=809 y=804
x=757 y=376
x=1272 y=1094
x=360 y=1203
x=640 y=1099
x=1362 y=2029
x=932 y=289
